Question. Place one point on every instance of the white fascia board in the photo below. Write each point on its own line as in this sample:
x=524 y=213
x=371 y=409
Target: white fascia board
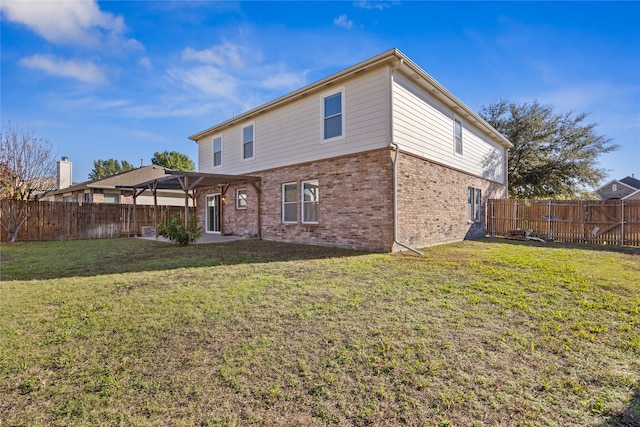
x=441 y=93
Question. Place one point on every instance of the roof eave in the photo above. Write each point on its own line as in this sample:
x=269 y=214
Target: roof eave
x=443 y=94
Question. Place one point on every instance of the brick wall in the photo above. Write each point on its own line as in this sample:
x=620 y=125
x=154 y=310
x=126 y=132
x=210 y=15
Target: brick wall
x=607 y=192
x=432 y=203
x=356 y=203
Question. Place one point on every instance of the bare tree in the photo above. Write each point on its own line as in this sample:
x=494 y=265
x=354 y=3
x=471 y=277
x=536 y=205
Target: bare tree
x=27 y=172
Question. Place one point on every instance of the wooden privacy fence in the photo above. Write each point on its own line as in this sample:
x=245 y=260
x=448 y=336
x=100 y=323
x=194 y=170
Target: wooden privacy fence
x=71 y=221
x=611 y=222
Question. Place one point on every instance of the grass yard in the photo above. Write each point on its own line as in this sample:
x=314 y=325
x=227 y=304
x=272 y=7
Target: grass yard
x=478 y=333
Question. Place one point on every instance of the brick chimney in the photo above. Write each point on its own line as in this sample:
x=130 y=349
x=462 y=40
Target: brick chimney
x=64 y=173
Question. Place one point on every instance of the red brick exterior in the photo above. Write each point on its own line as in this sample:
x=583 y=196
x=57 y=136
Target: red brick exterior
x=621 y=191
x=432 y=203
x=356 y=203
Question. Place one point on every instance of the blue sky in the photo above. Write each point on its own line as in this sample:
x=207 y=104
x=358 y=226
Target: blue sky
x=124 y=79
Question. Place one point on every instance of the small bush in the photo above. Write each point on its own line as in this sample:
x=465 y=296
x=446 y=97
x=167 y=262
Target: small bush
x=177 y=233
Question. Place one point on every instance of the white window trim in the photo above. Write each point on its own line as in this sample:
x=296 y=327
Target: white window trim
x=474 y=207
x=477 y=206
x=242 y=128
x=283 y=203
x=206 y=214
x=342 y=103
x=614 y=187
x=213 y=153
x=238 y=198
x=302 y=201
x=455 y=142
x=471 y=198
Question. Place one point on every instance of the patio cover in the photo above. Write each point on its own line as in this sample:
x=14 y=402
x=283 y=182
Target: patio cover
x=190 y=182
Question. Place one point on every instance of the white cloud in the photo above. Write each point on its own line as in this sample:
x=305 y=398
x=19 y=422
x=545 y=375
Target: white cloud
x=343 y=22
x=232 y=76
x=80 y=70
x=145 y=62
x=226 y=54
x=70 y=22
x=380 y=5
x=284 y=80
x=208 y=80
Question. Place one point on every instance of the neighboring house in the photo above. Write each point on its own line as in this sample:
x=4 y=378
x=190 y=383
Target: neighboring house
x=107 y=189
x=379 y=156
x=624 y=189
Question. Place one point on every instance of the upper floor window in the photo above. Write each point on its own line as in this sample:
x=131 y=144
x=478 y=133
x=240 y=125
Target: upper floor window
x=614 y=187
x=217 y=151
x=333 y=116
x=310 y=199
x=457 y=136
x=248 y=142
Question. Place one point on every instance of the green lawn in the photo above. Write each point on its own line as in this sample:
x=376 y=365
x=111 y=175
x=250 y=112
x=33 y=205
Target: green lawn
x=478 y=333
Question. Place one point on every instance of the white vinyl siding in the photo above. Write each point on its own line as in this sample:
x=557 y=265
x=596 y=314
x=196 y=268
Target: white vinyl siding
x=424 y=126
x=292 y=133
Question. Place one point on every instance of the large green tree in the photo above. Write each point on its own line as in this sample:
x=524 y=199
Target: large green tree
x=174 y=161
x=553 y=154
x=104 y=168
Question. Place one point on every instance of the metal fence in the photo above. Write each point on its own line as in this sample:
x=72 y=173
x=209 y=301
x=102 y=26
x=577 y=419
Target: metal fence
x=611 y=222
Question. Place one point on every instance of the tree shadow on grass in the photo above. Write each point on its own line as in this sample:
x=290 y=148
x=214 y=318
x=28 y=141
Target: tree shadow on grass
x=630 y=417
x=86 y=258
x=628 y=250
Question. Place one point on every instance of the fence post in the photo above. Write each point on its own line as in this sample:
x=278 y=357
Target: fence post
x=549 y=222
x=622 y=225
x=493 y=226
x=515 y=214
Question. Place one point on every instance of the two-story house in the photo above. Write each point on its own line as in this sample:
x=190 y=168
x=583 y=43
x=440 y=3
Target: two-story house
x=379 y=156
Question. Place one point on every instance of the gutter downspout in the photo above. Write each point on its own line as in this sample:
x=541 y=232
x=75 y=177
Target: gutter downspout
x=395 y=172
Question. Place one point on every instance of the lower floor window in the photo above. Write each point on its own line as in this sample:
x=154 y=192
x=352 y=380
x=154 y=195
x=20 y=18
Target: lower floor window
x=241 y=198
x=111 y=198
x=290 y=202
x=474 y=204
x=310 y=200
x=308 y=193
